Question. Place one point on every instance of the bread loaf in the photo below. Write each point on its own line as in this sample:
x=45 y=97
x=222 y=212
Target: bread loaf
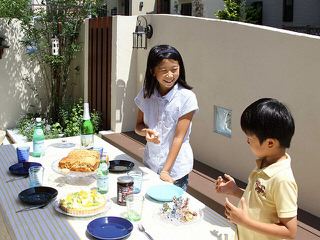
x=81 y=160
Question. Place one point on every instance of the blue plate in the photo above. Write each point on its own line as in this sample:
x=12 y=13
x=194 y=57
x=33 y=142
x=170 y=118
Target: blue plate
x=110 y=228
x=164 y=193
x=22 y=168
x=38 y=195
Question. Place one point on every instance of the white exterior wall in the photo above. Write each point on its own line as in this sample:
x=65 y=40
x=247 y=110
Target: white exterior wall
x=305 y=12
x=15 y=94
x=123 y=74
x=232 y=64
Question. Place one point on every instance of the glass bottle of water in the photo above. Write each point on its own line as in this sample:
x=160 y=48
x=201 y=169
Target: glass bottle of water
x=86 y=129
x=38 y=139
x=103 y=175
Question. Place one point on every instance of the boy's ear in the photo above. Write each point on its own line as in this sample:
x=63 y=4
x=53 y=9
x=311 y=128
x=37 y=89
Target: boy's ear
x=271 y=142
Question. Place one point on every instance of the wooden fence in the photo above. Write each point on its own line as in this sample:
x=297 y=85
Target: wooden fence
x=99 y=71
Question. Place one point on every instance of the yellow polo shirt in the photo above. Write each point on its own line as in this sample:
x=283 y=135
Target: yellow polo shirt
x=271 y=194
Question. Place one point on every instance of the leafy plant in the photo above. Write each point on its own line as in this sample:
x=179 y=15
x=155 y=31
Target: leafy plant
x=70 y=118
x=198 y=8
x=27 y=125
x=236 y=10
x=71 y=114
x=62 y=18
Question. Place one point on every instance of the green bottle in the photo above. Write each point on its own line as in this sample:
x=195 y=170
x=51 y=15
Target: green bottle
x=38 y=139
x=103 y=175
x=86 y=129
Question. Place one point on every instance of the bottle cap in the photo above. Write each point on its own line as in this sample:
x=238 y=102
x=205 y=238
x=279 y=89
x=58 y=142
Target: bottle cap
x=38 y=119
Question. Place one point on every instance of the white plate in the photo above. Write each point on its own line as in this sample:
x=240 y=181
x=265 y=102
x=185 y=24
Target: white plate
x=58 y=209
x=163 y=219
x=55 y=168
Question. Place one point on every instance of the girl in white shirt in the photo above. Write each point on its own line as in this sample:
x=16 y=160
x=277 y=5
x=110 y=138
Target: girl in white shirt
x=166 y=106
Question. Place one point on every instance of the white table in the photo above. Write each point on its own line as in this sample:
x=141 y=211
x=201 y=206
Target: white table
x=47 y=223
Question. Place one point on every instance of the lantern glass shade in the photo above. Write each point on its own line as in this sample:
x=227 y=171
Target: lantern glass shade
x=55 y=46
x=139 y=40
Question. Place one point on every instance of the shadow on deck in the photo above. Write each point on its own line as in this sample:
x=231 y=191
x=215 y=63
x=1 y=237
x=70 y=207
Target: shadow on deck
x=202 y=180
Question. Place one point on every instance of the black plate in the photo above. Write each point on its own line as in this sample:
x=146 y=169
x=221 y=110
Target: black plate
x=38 y=195
x=22 y=168
x=120 y=166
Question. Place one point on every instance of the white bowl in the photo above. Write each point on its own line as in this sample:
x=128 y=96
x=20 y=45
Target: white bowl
x=2 y=136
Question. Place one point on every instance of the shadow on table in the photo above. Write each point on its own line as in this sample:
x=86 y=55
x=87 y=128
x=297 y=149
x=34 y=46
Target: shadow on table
x=75 y=181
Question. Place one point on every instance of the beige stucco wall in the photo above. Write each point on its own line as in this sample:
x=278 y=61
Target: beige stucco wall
x=232 y=64
x=16 y=97
x=123 y=73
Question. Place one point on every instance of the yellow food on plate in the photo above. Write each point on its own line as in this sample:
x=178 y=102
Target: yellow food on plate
x=81 y=160
x=83 y=202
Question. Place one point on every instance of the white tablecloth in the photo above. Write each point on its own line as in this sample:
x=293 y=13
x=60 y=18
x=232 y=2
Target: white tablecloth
x=47 y=223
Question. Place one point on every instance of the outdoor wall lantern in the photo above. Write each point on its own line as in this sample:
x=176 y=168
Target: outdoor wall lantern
x=141 y=34
x=140 y=6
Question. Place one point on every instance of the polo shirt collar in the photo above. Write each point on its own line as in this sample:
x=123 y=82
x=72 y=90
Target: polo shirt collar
x=275 y=167
x=169 y=96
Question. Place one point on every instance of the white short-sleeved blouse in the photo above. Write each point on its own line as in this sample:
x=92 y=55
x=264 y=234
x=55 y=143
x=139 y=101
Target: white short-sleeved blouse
x=161 y=114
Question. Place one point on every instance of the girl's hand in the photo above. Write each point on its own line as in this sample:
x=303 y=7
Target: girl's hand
x=152 y=136
x=226 y=187
x=166 y=177
x=237 y=215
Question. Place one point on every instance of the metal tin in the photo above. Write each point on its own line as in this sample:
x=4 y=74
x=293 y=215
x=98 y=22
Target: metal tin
x=125 y=188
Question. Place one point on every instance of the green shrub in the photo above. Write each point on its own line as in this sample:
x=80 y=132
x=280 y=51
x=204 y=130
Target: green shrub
x=70 y=118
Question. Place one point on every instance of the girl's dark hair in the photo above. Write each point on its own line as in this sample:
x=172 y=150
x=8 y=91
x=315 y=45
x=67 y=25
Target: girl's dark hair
x=156 y=55
x=268 y=118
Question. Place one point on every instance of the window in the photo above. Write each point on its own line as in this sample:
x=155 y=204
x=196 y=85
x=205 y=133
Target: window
x=186 y=9
x=166 y=6
x=126 y=7
x=163 y=6
x=287 y=11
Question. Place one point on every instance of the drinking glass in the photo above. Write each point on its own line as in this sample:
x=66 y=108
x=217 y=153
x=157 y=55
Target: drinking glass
x=137 y=180
x=36 y=176
x=98 y=149
x=134 y=207
x=23 y=153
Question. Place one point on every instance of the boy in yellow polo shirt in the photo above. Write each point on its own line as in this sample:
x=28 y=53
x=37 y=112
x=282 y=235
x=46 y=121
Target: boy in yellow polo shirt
x=268 y=205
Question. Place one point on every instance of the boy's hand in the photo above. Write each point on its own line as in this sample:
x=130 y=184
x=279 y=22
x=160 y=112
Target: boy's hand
x=152 y=136
x=226 y=187
x=237 y=215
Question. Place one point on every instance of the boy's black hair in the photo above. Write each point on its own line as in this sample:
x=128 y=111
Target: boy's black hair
x=156 y=55
x=268 y=118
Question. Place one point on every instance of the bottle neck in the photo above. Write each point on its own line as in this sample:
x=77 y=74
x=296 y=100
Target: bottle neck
x=86 y=114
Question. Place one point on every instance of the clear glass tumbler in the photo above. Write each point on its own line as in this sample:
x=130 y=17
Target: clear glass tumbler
x=36 y=176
